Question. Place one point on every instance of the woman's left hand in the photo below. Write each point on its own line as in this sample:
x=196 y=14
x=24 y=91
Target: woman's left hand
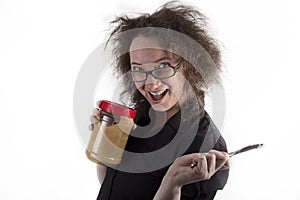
x=181 y=173
x=207 y=164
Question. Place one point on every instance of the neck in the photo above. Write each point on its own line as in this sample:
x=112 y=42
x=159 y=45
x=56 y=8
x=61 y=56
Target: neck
x=173 y=111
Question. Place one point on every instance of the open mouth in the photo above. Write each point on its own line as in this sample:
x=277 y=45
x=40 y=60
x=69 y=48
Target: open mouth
x=157 y=96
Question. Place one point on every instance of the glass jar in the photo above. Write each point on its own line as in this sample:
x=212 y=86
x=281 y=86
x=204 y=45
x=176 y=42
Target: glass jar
x=109 y=137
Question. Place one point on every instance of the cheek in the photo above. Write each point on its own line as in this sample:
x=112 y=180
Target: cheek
x=178 y=87
x=139 y=86
x=176 y=84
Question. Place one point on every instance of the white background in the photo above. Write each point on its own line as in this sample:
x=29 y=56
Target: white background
x=43 y=45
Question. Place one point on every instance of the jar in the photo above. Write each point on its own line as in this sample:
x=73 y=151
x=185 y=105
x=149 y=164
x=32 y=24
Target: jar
x=109 y=137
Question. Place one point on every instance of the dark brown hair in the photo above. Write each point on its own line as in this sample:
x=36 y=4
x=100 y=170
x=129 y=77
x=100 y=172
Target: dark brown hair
x=200 y=56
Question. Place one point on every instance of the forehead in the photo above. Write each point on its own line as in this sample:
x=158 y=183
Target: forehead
x=146 y=50
x=143 y=42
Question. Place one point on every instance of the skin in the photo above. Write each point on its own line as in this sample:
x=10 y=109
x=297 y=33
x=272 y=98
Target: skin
x=180 y=173
x=145 y=54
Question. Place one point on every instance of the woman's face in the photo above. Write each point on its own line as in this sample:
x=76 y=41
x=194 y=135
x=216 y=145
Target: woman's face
x=147 y=54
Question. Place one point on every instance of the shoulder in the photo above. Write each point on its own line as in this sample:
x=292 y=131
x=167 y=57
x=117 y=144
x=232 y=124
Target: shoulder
x=208 y=136
x=214 y=134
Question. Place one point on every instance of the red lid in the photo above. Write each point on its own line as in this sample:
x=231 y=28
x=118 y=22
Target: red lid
x=117 y=109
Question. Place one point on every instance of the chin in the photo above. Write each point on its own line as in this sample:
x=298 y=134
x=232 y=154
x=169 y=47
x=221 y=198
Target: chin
x=163 y=107
x=159 y=107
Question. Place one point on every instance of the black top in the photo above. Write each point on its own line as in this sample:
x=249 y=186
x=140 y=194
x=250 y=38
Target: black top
x=144 y=165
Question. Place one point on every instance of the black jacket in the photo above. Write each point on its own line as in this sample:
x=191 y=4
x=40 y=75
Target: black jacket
x=139 y=175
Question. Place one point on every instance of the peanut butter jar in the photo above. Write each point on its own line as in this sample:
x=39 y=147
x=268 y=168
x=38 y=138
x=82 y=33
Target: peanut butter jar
x=109 y=137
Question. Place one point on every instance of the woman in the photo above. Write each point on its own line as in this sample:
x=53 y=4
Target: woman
x=167 y=60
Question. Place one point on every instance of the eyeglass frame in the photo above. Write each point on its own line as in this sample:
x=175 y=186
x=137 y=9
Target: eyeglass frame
x=175 y=70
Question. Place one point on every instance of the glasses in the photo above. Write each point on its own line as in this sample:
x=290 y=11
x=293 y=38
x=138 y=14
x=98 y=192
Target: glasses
x=162 y=71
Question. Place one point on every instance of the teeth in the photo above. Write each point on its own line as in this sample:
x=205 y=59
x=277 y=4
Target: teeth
x=157 y=93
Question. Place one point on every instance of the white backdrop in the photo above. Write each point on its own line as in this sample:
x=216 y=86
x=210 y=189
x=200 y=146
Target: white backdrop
x=43 y=45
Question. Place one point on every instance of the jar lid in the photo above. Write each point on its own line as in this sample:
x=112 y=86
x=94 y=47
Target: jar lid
x=117 y=109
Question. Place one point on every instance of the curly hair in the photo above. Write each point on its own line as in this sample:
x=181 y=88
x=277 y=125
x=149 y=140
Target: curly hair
x=200 y=56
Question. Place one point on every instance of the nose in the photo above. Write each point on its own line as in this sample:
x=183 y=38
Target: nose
x=151 y=81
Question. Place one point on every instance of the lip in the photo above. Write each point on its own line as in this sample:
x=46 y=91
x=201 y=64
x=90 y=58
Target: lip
x=156 y=101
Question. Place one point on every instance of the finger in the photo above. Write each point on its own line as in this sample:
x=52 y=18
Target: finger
x=201 y=168
x=197 y=156
x=221 y=158
x=224 y=168
x=211 y=164
x=94 y=119
x=134 y=126
x=98 y=104
x=91 y=127
x=97 y=112
x=218 y=154
x=185 y=160
x=223 y=162
x=227 y=165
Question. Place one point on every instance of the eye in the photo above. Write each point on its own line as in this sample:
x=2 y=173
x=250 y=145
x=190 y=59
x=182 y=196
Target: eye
x=136 y=68
x=163 y=65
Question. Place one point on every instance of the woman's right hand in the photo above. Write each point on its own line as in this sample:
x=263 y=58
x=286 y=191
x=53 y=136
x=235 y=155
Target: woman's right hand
x=95 y=118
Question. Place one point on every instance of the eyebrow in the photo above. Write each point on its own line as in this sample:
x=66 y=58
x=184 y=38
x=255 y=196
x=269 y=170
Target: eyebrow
x=160 y=59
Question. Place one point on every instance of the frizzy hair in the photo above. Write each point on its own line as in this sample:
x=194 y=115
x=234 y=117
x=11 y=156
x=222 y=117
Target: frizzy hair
x=201 y=67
